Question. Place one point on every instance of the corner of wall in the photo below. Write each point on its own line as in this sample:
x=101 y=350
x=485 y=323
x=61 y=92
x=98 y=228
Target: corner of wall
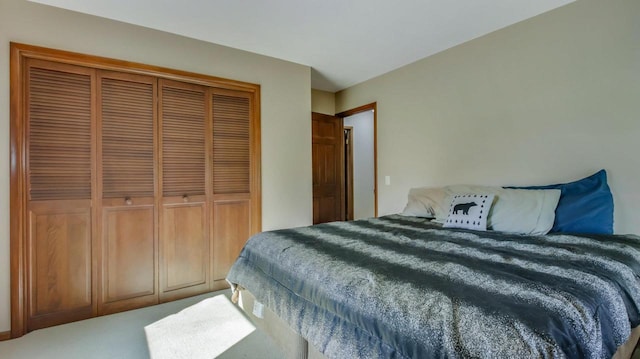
x=323 y=102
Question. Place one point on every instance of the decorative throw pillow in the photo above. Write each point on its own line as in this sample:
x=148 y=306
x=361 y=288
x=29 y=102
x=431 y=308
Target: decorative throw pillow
x=469 y=211
x=425 y=202
x=585 y=206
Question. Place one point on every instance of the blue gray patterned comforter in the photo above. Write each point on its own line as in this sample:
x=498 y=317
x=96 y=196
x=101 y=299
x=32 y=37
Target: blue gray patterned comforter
x=402 y=287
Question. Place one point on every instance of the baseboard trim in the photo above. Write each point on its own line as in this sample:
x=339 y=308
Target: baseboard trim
x=5 y=335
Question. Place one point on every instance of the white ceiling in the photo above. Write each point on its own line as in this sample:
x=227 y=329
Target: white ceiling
x=344 y=41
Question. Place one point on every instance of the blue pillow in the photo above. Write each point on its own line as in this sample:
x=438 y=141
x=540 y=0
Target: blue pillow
x=585 y=206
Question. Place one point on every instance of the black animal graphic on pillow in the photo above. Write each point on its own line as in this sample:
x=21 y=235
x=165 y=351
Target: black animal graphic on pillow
x=464 y=207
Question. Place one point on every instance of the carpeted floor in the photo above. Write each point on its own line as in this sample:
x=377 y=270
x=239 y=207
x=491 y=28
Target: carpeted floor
x=202 y=331
x=122 y=336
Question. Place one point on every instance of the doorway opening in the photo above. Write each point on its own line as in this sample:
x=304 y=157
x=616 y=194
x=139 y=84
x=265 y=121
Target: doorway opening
x=348 y=171
x=360 y=162
x=345 y=169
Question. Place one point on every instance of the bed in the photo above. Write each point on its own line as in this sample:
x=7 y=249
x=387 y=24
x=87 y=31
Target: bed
x=407 y=287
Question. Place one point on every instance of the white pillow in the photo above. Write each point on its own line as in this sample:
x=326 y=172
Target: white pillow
x=522 y=211
x=469 y=211
x=425 y=202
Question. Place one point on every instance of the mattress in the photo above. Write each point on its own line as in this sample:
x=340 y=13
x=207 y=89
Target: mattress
x=402 y=287
x=296 y=347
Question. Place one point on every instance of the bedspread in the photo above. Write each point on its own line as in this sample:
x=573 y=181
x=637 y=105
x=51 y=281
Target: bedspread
x=403 y=287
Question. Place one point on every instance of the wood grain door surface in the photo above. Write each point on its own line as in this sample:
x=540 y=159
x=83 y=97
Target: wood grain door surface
x=127 y=132
x=59 y=120
x=328 y=168
x=185 y=166
x=232 y=133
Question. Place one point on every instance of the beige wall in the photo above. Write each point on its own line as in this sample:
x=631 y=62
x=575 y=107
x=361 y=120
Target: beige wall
x=286 y=102
x=550 y=99
x=323 y=102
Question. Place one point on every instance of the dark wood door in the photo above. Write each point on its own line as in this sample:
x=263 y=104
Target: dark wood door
x=328 y=169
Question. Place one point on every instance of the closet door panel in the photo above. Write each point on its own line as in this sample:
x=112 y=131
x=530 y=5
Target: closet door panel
x=185 y=244
x=59 y=172
x=128 y=257
x=127 y=172
x=60 y=257
x=185 y=250
x=232 y=228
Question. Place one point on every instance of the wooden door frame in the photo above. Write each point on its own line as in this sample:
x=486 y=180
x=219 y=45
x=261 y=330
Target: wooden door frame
x=348 y=172
x=354 y=111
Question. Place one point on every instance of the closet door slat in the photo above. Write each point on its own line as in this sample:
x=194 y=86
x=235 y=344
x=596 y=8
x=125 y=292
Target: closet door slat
x=183 y=141
x=59 y=105
x=231 y=143
x=127 y=138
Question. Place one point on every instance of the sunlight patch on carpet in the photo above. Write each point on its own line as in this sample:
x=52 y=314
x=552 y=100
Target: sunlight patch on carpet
x=204 y=330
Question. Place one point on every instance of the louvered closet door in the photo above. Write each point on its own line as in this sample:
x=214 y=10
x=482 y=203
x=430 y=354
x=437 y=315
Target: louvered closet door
x=58 y=106
x=184 y=238
x=232 y=137
x=128 y=261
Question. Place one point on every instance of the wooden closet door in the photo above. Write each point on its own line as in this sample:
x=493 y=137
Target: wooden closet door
x=127 y=172
x=233 y=133
x=59 y=172
x=185 y=171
